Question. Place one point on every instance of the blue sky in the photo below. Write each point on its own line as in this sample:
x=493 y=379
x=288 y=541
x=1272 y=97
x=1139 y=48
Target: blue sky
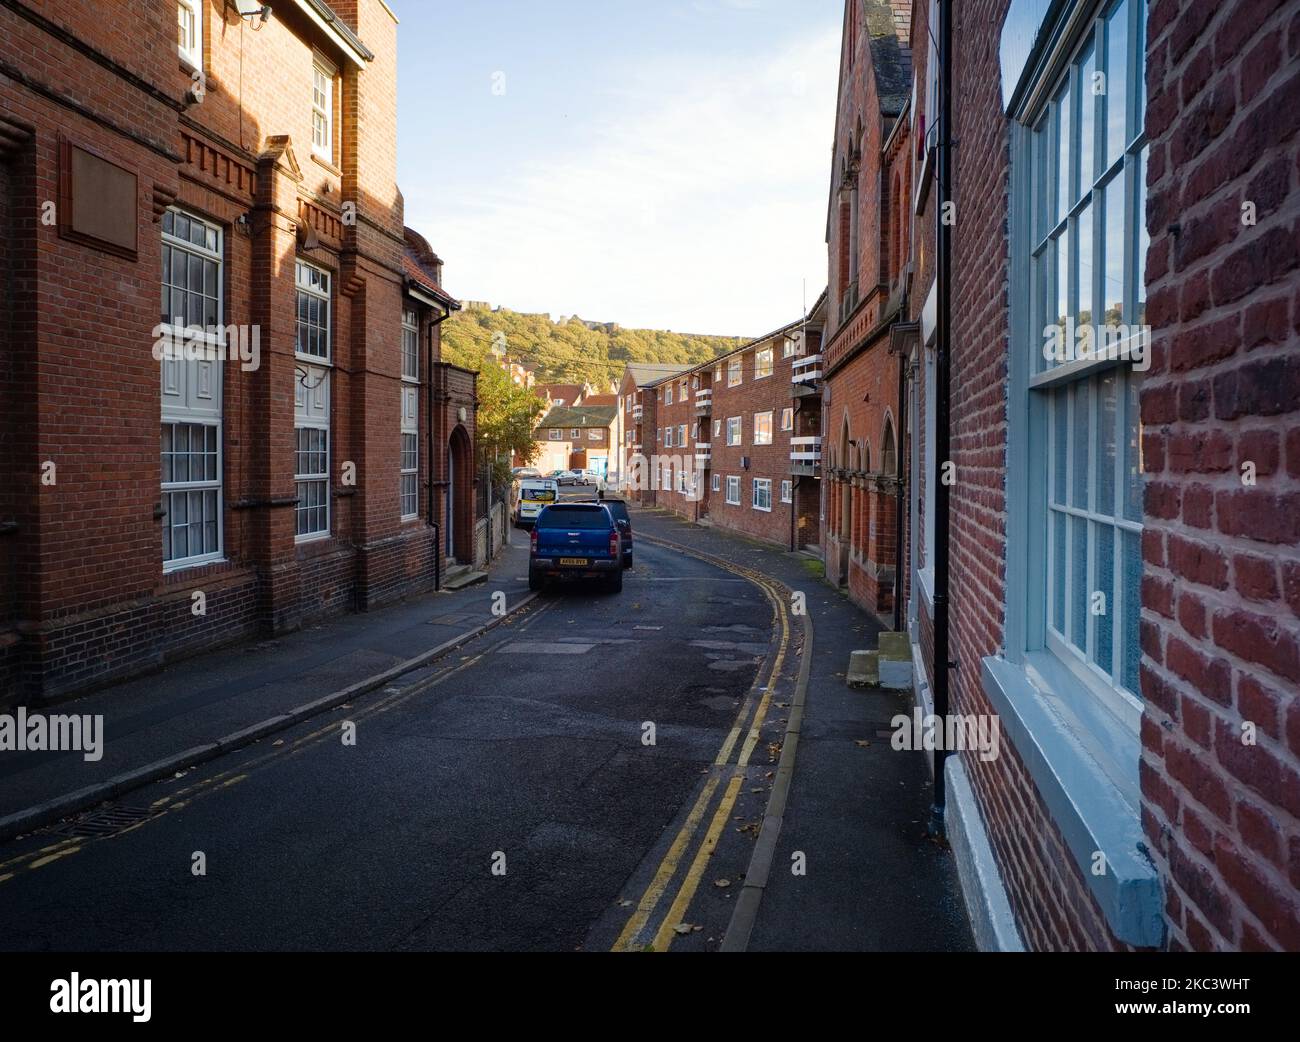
x=659 y=164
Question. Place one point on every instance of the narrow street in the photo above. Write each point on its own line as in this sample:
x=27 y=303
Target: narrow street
x=592 y=775
x=530 y=744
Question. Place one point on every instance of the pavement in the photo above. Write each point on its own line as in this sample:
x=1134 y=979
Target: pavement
x=855 y=818
x=214 y=696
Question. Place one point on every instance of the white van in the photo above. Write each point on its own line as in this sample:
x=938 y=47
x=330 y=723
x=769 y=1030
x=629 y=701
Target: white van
x=534 y=494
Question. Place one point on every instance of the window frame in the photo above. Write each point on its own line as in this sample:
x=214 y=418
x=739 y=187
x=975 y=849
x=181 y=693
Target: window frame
x=787 y=490
x=734 y=374
x=321 y=64
x=325 y=365
x=761 y=437
x=763 y=485
x=763 y=371
x=787 y=418
x=733 y=482
x=193 y=57
x=411 y=325
x=172 y=415
x=1044 y=222
x=1086 y=754
x=739 y=430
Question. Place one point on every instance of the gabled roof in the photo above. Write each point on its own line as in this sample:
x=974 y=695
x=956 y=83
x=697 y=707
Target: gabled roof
x=570 y=393
x=888 y=25
x=644 y=373
x=420 y=265
x=582 y=416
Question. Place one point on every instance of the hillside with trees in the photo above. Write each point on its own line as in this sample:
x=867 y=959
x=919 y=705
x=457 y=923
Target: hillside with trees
x=574 y=351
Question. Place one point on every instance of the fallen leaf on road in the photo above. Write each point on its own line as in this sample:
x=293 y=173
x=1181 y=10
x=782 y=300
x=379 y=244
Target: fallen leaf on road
x=278 y=741
x=683 y=928
x=721 y=883
x=624 y=904
x=862 y=742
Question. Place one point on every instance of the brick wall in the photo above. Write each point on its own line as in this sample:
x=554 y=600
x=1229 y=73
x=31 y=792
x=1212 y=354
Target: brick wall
x=83 y=566
x=1221 y=590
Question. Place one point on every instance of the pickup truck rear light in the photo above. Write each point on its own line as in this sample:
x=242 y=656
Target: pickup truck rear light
x=613 y=543
x=532 y=541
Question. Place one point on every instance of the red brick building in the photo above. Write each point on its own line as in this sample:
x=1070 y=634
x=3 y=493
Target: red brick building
x=245 y=176
x=1122 y=540
x=633 y=420
x=867 y=228
x=737 y=440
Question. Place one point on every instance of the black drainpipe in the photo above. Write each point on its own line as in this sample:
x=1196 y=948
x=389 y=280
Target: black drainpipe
x=900 y=467
x=433 y=518
x=943 y=332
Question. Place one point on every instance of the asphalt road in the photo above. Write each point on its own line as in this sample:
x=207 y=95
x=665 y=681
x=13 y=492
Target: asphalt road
x=502 y=799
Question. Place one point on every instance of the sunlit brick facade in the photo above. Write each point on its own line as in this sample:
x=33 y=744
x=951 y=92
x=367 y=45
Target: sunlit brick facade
x=245 y=175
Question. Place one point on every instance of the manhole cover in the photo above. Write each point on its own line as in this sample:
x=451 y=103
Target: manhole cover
x=104 y=822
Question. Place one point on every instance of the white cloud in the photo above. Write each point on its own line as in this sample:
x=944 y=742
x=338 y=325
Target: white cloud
x=700 y=209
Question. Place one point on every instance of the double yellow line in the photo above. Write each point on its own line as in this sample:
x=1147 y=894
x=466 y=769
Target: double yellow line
x=633 y=932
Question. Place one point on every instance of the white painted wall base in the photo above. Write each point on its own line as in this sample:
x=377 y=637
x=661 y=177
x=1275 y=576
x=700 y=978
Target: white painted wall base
x=990 y=914
x=987 y=907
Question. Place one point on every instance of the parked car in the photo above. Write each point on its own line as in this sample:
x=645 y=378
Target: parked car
x=535 y=494
x=561 y=477
x=578 y=476
x=525 y=472
x=618 y=508
x=594 y=477
x=575 y=541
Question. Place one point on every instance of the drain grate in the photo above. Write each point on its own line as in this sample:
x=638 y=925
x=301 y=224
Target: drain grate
x=104 y=822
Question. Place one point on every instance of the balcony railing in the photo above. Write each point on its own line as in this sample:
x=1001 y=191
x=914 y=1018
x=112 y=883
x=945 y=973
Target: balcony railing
x=638 y=411
x=703 y=400
x=805 y=455
x=806 y=370
x=704 y=454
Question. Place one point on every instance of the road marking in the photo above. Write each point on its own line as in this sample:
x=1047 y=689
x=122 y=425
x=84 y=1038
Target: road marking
x=42 y=862
x=690 y=883
x=668 y=866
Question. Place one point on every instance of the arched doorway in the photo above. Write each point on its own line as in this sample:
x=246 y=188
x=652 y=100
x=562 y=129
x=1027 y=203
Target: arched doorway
x=458 y=520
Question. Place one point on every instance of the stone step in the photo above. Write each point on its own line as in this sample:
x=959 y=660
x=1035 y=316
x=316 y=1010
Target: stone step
x=459 y=578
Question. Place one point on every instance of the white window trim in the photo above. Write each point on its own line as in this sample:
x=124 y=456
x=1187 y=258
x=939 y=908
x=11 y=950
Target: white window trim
x=717 y=483
x=787 y=412
x=787 y=491
x=771 y=367
x=193 y=58
x=733 y=482
x=173 y=414
x=1082 y=755
x=176 y=564
x=328 y=296
x=764 y=484
x=407 y=327
x=740 y=430
x=313 y=476
x=405 y=472
x=734 y=369
x=759 y=438
x=682 y=439
x=323 y=65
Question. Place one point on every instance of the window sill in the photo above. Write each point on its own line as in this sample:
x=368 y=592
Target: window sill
x=925 y=582
x=1093 y=802
x=321 y=160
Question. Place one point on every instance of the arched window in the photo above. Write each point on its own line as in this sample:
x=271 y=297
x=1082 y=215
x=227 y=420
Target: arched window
x=888 y=451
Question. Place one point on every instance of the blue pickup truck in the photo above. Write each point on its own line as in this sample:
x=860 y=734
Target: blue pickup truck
x=576 y=541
